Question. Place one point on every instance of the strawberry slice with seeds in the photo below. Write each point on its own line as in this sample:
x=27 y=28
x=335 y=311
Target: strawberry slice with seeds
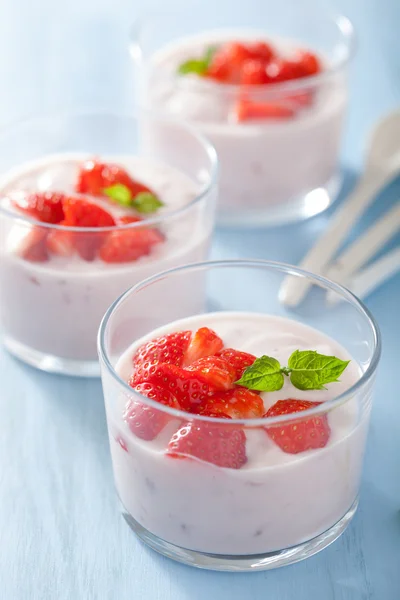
x=247 y=110
x=210 y=442
x=216 y=371
x=238 y=403
x=238 y=360
x=168 y=349
x=81 y=213
x=94 y=177
x=43 y=206
x=145 y=421
x=32 y=246
x=204 y=342
x=300 y=435
x=130 y=244
x=189 y=389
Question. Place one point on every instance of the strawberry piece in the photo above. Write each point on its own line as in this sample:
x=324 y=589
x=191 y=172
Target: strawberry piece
x=204 y=342
x=261 y=51
x=33 y=247
x=168 y=349
x=309 y=63
x=210 y=442
x=253 y=72
x=145 y=421
x=227 y=62
x=81 y=213
x=189 y=389
x=216 y=371
x=238 y=360
x=43 y=206
x=280 y=70
x=300 y=435
x=129 y=245
x=247 y=110
x=60 y=242
x=95 y=176
x=238 y=403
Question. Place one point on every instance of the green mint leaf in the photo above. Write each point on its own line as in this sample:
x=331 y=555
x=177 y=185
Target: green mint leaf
x=119 y=193
x=199 y=66
x=146 y=202
x=312 y=371
x=264 y=375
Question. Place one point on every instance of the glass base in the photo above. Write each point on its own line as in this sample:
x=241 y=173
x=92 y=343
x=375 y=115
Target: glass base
x=304 y=207
x=49 y=363
x=256 y=562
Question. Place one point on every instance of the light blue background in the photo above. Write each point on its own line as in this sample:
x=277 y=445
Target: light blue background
x=61 y=534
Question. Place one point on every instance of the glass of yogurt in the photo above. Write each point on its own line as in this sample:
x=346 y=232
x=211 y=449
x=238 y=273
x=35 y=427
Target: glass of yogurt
x=86 y=211
x=270 y=94
x=237 y=433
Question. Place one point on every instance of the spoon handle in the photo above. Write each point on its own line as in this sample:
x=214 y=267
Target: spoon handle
x=293 y=289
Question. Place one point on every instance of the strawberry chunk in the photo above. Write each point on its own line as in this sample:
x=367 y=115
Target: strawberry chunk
x=238 y=360
x=302 y=434
x=253 y=72
x=129 y=245
x=60 y=242
x=81 y=213
x=145 y=421
x=261 y=51
x=189 y=389
x=204 y=342
x=95 y=176
x=216 y=371
x=210 y=442
x=308 y=63
x=33 y=247
x=43 y=206
x=238 y=403
x=247 y=110
x=227 y=62
x=169 y=349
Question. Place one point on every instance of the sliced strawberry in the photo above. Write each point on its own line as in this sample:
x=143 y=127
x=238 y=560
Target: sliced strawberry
x=81 y=213
x=95 y=176
x=261 y=51
x=60 y=242
x=238 y=403
x=204 y=342
x=247 y=110
x=210 y=442
x=309 y=63
x=216 y=371
x=189 y=389
x=127 y=220
x=227 y=62
x=302 y=434
x=238 y=360
x=145 y=421
x=168 y=349
x=130 y=244
x=32 y=247
x=43 y=206
x=253 y=72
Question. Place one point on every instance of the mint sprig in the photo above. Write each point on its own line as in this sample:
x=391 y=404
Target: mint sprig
x=307 y=370
x=198 y=66
x=143 y=202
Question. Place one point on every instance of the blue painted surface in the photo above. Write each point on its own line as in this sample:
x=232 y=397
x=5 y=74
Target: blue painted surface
x=62 y=536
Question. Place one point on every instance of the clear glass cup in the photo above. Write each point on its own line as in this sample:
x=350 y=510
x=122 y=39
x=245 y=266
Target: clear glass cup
x=51 y=307
x=278 y=508
x=272 y=171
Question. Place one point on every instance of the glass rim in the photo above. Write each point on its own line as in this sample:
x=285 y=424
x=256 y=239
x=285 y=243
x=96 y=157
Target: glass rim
x=288 y=269
x=344 y=24
x=146 y=222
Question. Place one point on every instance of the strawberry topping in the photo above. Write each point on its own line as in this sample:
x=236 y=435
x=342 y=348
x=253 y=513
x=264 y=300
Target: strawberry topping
x=204 y=342
x=130 y=244
x=238 y=403
x=145 y=421
x=33 y=247
x=94 y=177
x=46 y=207
x=238 y=360
x=216 y=371
x=169 y=349
x=300 y=435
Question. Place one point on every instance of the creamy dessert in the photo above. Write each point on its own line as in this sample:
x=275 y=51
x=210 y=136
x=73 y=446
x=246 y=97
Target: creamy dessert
x=202 y=480
x=272 y=109
x=76 y=232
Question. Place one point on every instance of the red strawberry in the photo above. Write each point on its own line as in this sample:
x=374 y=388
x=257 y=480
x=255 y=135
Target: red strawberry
x=227 y=62
x=247 y=110
x=253 y=72
x=261 y=51
x=210 y=442
x=145 y=421
x=190 y=389
x=238 y=403
x=129 y=245
x=81 y=213
x=238 y=360
x=60 y=242
x=299 y=435
x=32 y=247
x=216 y=371
x=204 y=342
x=168 y=349
x=309 y=63
x=43 y=206
x=95 y=176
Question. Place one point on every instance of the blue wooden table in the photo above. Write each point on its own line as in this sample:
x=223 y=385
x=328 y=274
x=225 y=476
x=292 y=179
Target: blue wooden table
x=61 y=534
